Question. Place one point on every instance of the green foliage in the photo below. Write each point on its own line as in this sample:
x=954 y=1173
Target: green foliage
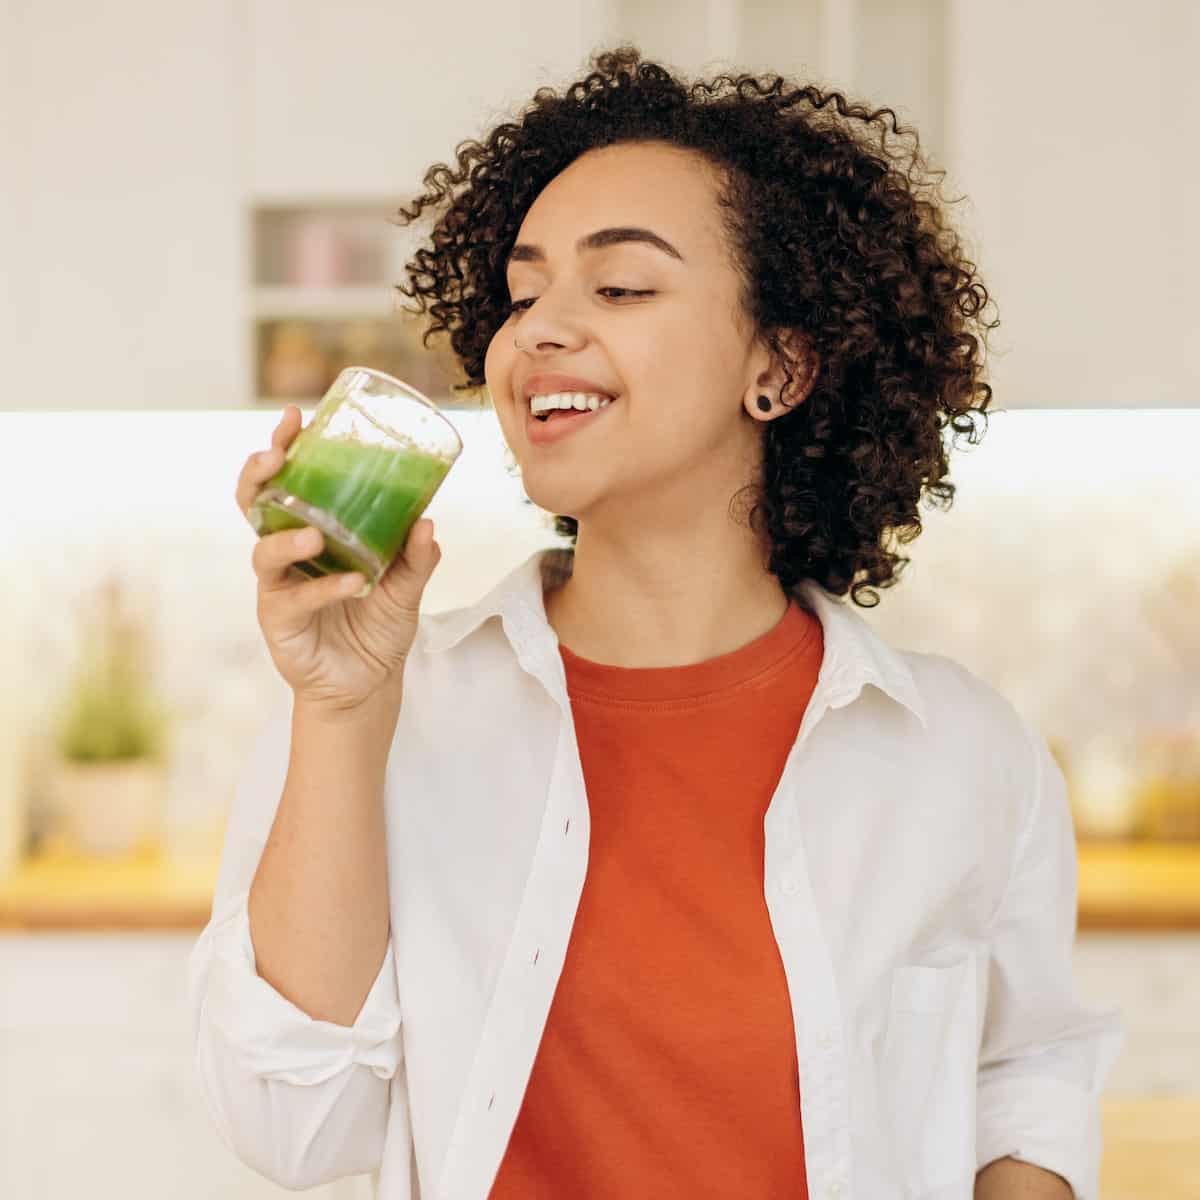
x=110 y=712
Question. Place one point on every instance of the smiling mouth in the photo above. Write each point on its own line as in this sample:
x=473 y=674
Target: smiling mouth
x=551 y=413
x=544 y=418
x=561 y=423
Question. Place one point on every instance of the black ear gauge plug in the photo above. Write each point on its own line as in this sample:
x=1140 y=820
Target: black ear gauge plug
x=764 y=403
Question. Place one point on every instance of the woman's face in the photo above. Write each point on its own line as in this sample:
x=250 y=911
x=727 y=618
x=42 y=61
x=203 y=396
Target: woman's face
x=670 y=346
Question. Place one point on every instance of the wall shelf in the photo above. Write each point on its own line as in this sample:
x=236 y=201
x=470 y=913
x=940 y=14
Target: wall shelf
x=319 y=303
x=322 y=284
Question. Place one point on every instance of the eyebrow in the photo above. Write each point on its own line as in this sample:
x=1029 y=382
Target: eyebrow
x=524 y=252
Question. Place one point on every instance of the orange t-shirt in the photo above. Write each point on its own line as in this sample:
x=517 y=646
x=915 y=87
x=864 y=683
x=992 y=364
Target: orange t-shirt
x=667 y=1067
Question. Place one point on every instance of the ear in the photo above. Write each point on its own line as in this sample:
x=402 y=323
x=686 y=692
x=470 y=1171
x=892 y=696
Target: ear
x=803 y=362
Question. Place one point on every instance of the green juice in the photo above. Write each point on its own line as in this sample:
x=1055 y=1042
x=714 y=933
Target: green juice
x=374 y=494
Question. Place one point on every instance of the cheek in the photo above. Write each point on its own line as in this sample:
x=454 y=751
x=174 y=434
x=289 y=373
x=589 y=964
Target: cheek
x=685 y=359
x=492 y=361
x=497 y=369
x=682 y=396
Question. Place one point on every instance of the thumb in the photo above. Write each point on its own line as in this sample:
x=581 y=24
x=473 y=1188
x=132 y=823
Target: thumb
x=390 y=614
x=421 y=553
x=430 y=552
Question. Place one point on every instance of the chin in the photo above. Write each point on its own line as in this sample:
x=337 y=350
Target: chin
x=555 y=500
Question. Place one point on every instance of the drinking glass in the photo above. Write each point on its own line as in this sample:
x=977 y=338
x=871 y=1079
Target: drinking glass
x=362 y=472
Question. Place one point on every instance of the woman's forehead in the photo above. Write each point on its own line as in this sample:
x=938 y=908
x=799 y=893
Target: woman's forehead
x=654 y=189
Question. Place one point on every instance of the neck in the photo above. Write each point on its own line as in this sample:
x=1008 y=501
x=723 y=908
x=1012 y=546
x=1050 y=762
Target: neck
x=630 y=606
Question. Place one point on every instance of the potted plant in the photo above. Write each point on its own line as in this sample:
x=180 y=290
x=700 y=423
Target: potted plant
x=110 y=738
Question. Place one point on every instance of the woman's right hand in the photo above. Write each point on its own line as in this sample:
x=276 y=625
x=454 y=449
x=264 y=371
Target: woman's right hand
x=333 y=650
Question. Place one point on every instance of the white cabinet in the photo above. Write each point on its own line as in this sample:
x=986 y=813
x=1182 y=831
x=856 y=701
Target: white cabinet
x=1071 y=128
x=109 y=1119
x=98 y=1095
x=13 y=195
x=119 y=159
x=1067 y=129
x=357 y=100
x=1154 y=979
x=135 y=137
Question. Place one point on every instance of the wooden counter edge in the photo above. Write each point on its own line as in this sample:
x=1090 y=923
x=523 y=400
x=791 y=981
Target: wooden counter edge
x=1120 y=890
x=1139 y=886
x=32 y=917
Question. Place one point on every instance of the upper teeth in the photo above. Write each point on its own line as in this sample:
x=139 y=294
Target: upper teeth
x=580 y=400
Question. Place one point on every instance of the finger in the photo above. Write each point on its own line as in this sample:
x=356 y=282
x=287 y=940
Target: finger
x=274 y=554
x=421 y=548
x=412 y=567
x=260 y=467
x=256 y=470
x=294 y=604
x=288 y=427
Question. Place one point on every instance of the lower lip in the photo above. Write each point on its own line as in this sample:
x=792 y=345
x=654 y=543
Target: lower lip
x=542 y=433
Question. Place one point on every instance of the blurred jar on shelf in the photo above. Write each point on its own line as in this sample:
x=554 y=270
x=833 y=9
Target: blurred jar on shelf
x=359 y=343
x=1167 y=792
x=319 y=253
x=295 y=365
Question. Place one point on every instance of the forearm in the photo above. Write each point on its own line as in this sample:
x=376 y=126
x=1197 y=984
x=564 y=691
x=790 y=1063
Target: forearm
x=1009 y=1179
x=318 y=904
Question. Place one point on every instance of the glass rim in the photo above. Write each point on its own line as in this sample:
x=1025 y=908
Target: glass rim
x=412 y=392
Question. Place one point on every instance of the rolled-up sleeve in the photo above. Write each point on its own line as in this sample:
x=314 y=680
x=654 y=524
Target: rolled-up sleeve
x=299 y=1100
x=1044 y=1056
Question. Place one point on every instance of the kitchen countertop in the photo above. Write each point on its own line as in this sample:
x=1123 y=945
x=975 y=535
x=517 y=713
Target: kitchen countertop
x=1126 y=886
x=146 y=891
x=1151 y=1151
x=1122 y=886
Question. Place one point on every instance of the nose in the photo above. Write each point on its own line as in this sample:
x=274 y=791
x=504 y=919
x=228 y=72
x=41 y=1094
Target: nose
x=549 y=324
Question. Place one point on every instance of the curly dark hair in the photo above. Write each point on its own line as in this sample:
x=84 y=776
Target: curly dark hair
x=830 y=240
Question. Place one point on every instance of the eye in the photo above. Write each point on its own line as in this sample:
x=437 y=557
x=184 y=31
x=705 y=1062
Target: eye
x=627 y=291
x=521 y=305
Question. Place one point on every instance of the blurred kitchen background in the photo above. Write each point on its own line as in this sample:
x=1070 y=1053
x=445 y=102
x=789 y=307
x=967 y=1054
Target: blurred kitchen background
x=195 y=205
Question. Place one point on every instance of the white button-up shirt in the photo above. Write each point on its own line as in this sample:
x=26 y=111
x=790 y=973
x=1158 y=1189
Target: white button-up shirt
x=919 y=874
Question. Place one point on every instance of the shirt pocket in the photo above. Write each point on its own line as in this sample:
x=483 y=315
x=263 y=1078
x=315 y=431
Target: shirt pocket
x=928 y=1077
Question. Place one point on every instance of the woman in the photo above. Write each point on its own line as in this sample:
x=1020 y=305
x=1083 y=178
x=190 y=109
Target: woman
x=676 y=880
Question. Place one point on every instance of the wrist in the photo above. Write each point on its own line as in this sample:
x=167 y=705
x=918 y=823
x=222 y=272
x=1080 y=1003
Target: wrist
x=381 y=706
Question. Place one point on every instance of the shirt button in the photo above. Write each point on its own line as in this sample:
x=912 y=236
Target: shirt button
x=789 y=886
x=825 y=1041
x=834 y=1189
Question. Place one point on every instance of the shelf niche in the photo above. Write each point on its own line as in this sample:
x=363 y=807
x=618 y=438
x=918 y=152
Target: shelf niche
x=323 y=298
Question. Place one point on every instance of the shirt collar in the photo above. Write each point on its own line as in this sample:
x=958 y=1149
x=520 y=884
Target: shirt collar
x=855 y=655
